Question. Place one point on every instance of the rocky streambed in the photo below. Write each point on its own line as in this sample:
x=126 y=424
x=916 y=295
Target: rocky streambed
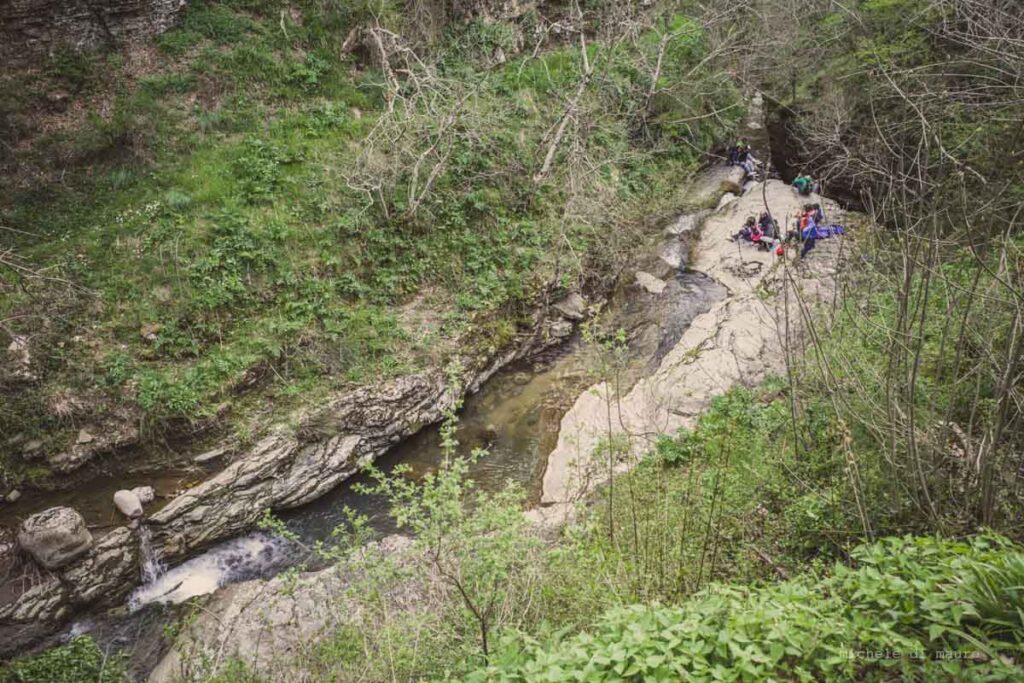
x=293 y=464
x=310 y=454
x=738 y=337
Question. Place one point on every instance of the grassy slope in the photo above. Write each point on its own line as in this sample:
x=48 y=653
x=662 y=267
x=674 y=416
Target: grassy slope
x=207 y=209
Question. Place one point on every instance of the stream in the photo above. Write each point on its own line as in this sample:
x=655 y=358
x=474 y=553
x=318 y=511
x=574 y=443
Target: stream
x=515 y=416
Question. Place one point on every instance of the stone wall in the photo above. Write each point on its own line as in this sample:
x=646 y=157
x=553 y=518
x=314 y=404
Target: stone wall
x=496 y=10
x=29 y=28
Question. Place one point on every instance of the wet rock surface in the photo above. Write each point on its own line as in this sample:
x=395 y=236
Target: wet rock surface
x=269 y=624
x=291 y=465
x=112 y=564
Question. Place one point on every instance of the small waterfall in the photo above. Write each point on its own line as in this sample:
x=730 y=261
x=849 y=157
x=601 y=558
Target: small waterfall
x=150 y=565
x=247 y=557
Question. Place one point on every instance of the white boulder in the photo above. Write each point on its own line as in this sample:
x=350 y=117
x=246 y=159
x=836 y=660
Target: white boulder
x=128 y=503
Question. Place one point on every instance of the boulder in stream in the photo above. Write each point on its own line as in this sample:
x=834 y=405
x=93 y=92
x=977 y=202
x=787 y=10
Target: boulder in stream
x=128 y=503
x=673 y=254
x=572 y=307
x=55 y=537
x=145 y=494
x=650 y=283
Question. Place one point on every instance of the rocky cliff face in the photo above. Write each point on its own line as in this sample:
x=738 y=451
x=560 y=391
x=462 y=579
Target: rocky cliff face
x=493 y=9
x=29 y=28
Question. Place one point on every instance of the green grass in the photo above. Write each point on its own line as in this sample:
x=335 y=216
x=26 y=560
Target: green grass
x=78 y=661
x=208 y=203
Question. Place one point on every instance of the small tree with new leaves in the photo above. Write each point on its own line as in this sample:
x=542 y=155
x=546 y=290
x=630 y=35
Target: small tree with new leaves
x=476 y=543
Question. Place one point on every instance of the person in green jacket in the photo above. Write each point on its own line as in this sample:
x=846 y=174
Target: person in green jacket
x=803 y=184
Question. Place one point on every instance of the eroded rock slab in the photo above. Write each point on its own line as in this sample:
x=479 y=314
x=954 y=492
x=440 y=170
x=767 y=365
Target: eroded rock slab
x=737 y=342
x=649 y=283
x=269 y=624
x=294 y=463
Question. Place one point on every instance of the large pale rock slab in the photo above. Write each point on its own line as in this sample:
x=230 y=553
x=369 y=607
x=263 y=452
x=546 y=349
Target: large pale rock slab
x=112 y=563
x=706 y=189
x=737 y=342
x=649 y=283
x=687 y=223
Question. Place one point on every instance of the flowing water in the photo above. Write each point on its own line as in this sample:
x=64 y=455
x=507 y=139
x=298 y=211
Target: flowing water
x=150 y=567
x=248 y=557
x=93 y=492
x=515 y=416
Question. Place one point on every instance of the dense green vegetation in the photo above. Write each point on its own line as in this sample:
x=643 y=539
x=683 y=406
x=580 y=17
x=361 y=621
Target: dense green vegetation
x=910 y=607
x=729 y=559
x=912 y=110
x=867 y=503
x=77 y=661
x=252 y=207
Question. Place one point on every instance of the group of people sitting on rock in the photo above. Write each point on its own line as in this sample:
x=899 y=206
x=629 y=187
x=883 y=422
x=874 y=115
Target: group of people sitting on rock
x=763 y=232
x=742 y=155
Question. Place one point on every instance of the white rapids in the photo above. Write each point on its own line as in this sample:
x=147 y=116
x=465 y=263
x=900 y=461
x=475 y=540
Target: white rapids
x=236 y=560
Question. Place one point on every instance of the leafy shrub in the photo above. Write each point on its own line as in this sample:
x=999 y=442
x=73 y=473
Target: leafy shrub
x=898 y=610
x=996 y=590
x=308 y=73
x=78 y=661
x=258 y=169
